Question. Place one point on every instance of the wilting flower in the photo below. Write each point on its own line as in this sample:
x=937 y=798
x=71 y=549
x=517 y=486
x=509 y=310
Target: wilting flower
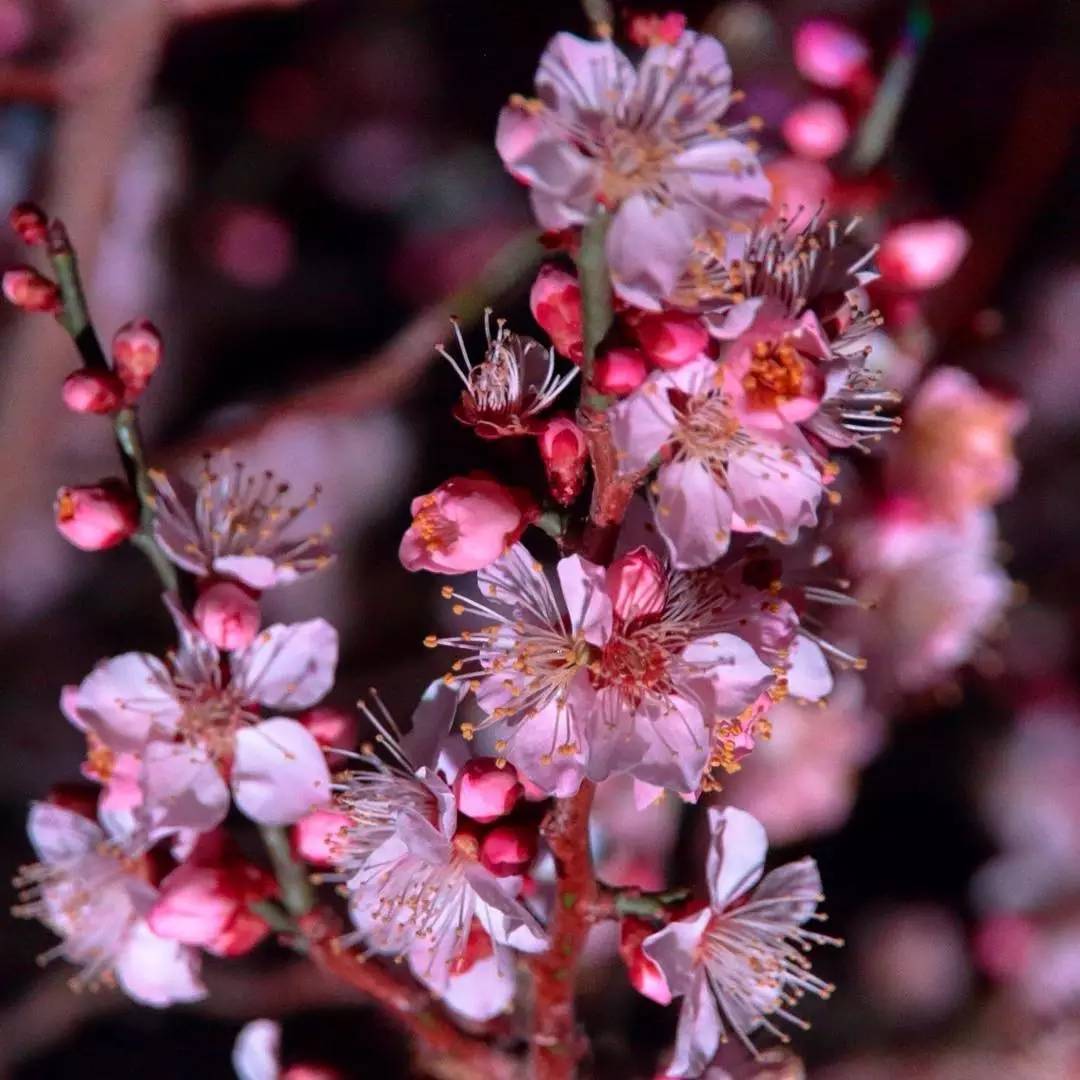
x=466 y=523
x=716 y=475
x=93 y=889
x=412 y=870
x=235 y=524
x=739 y=962
x=514 y=382
x=957 y=450
x=645 y=143
x=626 y=669
x=188 y=721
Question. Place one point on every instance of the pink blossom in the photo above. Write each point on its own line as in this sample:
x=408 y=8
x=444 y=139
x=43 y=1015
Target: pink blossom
x=92 y=888
x=92 y=391
x=97 y=516
x=829 y=53
x=646 y=30
x=738 y=962
x=486 y=788
x=555 y=300
x=227 y=614
x=235 y=525
x=816 y=129
x=508 y=849
x=572 y=688
x=564 y=452
x=187 y=721
x=645 y=143
x=671 y=338
x=466 y=523
x=619 y=371
x=313 y=836
x=922 y=254
x=716 y=475
x=957 y=448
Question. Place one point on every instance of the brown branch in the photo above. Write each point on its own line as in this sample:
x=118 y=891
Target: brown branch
x=30 y=84
x=555 y=1045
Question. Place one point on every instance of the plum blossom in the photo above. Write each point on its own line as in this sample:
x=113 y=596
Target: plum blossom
x=412 y=871
x=514 y=382
x=625 y=669
x=187 y=722
x=93 y=889
x=716 y=475
x=645 y=143
x=739 y=962
x=234 y=524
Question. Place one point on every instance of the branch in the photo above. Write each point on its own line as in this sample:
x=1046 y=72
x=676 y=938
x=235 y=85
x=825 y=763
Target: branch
x=292 y=877
x=29 y=83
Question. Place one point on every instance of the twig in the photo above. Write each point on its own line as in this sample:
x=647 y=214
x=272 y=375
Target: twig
x=29 y=84
x=296 y=892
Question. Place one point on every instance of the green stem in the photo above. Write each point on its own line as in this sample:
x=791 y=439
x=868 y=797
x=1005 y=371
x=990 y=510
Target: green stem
x=596 y=311
x=296 y=892
x=645 y=904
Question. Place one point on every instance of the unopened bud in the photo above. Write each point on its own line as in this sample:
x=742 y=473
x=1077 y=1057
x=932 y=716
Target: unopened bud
x=136 y=353
x=92 y=391
x=619 y=371
x=555 y=300
x=485 y=791
x=645 y=30
x=637 y=585
x=96 y=516
x=564 y=452
x=228 y=615
x=922 y=254
x=829 y=53
x=816 y=129
x=31 y=291
x=671 y=338
x=508 y=850
x=29 y=222
x=314 y=836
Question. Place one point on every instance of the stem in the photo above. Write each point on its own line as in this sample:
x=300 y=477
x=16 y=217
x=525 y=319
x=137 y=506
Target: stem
x=296 y=892
x=554 y=1045
x=596 y=310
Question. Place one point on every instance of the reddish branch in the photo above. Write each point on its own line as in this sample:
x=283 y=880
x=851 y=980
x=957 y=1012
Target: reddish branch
x=555 y=1045
x=28 y=83
x=448 y=1052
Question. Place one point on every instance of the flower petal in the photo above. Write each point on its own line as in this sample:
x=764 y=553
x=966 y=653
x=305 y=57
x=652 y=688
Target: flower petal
x=257 y=1051
x=587 y=601
x=736 y=855
x=127 y=699
x=505 y=920
x=59 y=835
x=181 y=789
x=158 y=972
x=279 y=772
x=693 y=514
x=289 y=667
x=648 y=247
x=697 y=1038
x=674 y=950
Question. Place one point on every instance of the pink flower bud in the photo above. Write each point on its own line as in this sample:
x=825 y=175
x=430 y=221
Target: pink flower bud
x=29 y=222
x=645 y=975
x=136 y=353
x=97 y=516
x=647 y=30
x=31 y=291
x=307 y=1071
x=484 y=791
x=671 y=338
x=334 y=729
x=637 y=585
x=564 y=452
x=619 y=371
x=507 y=850
x=463 y=525
x=92 y=391
x=829 y=53
x=922 y=254
x=313 y=836
x=555 y=301
x=816 y=129
x=228 y=615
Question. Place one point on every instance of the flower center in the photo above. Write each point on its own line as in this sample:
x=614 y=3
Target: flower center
x=631 y=161
x=706 y=427
x=211 y=718
x=635 y=664
x=775 y=375
x=438 y=532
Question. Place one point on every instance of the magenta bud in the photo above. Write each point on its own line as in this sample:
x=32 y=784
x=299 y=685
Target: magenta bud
x=314 y=836
x=136 y=353
x=87 y=391
x=619 y=371
x=671 y=338
x=228 y=615
x=31 y=291
x=29 y=222
x=485 y=790
x=508 y=850
x=637 y=585
x=564 y=452
x=97 y=516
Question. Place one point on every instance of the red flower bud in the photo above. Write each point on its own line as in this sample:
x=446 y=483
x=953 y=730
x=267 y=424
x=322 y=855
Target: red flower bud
x=555 y=300
x=484 y=791
x=314 y=834
x=922 y=254
x=92 y=391
x=31 y=291
x=136 y=353
x=564 y=451
x=646 y=30
x=29 y=222
x=96 y=516
x=637 y=585
x=508 y=850
x=619 y=371
x=228 y=615
x=671 y=338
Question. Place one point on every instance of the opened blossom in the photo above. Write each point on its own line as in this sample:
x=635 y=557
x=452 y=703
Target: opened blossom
x=625 y=669
x=647 y=143
x=93 y=888
x=466 y=523
x=189 y=721
x=739 y=964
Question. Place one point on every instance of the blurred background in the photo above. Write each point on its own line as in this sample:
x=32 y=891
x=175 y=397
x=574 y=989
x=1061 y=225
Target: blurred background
x=283 y=187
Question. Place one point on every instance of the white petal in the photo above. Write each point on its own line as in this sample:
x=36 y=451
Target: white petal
x=257 y=1051
x=158 y=972
x=289 y=667
x=59 y=835
x=697 y=1037
x=505 y=920
x=125 y=700
x=693 y=514
x=587 y=601
x=279 y=772
x=182 y=789
x=809 y=675
x=674 y=950
x=736 y=854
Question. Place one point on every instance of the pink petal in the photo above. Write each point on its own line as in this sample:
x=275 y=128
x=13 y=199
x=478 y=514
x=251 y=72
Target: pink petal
x=289 y=667
x=181 y=789
x=674 y=950
x=697 y=1037
x=587 y=602
x=256 y=571
x=693 y=514
x=578 y=76
x=59 y=835
x=734 y=672
x=736 y=855
x=486 y=990
x=421 y=839
x=279 y=772
x=158 y=972
x=125 y=700
x=774 y=490
x=809 y=676
x=726 y=181
x=643 y=422
x=432 y=720
x=648 y=247
x=687 y=83
x=505 y=920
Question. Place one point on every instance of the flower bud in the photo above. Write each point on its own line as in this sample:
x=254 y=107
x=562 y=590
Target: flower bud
x=464 y=525
x=564 y=452
x=313 y=836
x=228 y=615
x=816 y=129
x=306 y=1071
x=97 y=516
x=637 y=585
x=334 y=729
x=29 y=222
x=645 y=30
x=77 y=797
x=484 y=791
x=922 y=254
x=645 y=975
x=136 y=353
x=92 y=391
x=829 y=53
x=507 y=850
x=31 y=291
x=619 y=371
x=671 y=338
x=555 y=300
